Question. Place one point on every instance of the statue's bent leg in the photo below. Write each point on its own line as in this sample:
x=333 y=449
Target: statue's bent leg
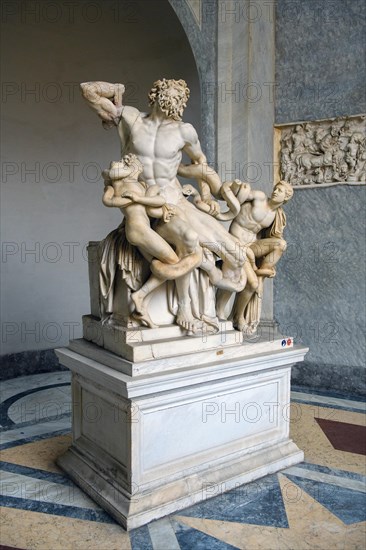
x=270 y=250
x=179 y=233
x=140 y=304
x=149 y=242
x=226 y=278
x=232 y=276
x=183 y=266
x=244 y=297
x=151 y=245
x=215 y=238
x=185 y=318
x=222 y=298
x=160 y=273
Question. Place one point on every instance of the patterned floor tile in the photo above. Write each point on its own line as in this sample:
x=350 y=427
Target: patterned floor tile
x=310 y=526
x=189 y=538
x=348 y=505
x=343 y=436
x=259 y=502
x=41 y=531
x=308 y=436
x=39 y=454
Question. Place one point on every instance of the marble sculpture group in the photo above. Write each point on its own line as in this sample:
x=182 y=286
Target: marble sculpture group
x=174 y=232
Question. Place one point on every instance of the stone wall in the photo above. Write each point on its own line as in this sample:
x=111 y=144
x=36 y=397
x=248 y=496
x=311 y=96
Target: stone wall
x=320 y=53
x=320 y=287
x=55 y=148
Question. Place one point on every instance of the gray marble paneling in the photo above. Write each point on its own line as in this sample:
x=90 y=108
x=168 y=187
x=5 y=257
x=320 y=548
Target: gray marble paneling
x=319 y=291
x=202 y=40
x=320 y=288
x=320 y=59
x=343 y=379
x=28 y=362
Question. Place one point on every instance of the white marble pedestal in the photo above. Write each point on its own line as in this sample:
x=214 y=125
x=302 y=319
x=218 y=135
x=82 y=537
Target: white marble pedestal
x=154 y=437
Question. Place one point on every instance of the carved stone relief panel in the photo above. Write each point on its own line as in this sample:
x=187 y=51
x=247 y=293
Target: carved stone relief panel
x=323 y=152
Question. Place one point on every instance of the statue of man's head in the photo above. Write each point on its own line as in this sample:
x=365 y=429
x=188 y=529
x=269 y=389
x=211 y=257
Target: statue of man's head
x=282 y=192
x=128 y=166
x=171 y=96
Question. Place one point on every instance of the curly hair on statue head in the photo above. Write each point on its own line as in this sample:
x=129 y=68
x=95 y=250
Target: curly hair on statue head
x=172 y=104
x=289 y=190
x=131 y=159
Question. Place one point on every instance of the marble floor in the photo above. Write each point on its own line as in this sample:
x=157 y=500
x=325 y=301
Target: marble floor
x=319 y=504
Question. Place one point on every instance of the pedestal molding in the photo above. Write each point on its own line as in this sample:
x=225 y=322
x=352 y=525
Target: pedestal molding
x=156 y=442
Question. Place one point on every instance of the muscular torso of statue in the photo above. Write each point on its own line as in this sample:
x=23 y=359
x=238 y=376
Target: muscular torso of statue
x=253 y=217
x=158 y=144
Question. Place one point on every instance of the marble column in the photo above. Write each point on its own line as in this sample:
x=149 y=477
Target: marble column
x=245 y=99
x=199 y=21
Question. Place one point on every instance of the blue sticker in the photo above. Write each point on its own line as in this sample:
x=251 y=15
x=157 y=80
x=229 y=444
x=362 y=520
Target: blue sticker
x=283 y=343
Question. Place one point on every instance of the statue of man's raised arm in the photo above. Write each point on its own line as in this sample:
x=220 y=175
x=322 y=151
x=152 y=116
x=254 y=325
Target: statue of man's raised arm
x=106 y=99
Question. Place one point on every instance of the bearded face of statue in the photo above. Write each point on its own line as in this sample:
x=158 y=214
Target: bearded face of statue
x=172 y=102
x=171 y=96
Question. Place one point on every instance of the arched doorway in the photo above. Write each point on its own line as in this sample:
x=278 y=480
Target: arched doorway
x=56 y=148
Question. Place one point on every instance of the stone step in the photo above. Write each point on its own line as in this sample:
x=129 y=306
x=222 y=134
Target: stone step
x=142 y=344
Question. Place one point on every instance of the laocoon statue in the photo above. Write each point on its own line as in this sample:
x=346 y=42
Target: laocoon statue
x=174 y=233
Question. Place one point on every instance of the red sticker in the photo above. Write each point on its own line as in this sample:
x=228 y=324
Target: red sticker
x=289 y=342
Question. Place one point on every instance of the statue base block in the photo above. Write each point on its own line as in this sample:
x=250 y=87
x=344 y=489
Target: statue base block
x=139 y=344
x=170 y=433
